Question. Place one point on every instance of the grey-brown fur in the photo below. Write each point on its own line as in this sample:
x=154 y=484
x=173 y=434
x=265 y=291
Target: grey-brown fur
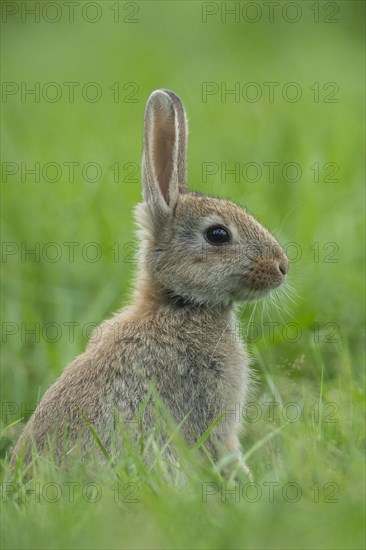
x=180 y=332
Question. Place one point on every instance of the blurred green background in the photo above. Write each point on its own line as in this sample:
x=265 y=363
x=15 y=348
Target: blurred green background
x=314 y=204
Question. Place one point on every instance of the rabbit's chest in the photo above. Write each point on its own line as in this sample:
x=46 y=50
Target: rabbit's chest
x=206 y=377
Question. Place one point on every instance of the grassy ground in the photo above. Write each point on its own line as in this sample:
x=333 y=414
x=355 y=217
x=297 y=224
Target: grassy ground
x=304 y=431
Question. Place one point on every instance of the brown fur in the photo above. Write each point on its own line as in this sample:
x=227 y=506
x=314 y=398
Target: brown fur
x=180 y=332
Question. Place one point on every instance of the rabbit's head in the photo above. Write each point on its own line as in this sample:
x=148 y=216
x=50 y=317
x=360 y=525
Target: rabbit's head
x=200 y=248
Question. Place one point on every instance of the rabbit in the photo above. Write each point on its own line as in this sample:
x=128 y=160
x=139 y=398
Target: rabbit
x=200 y=255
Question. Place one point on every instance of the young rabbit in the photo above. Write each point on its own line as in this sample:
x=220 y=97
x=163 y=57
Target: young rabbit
x=199 y=256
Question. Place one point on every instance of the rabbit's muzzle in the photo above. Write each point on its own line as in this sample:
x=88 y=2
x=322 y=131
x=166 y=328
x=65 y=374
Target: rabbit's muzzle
x=267 y=273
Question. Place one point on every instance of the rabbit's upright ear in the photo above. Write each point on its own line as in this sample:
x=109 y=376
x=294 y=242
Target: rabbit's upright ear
x=182 y=141
x=164 y=165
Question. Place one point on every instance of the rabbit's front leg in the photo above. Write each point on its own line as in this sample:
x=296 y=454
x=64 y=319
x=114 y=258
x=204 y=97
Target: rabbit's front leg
x=234 y=447
x=245 y=468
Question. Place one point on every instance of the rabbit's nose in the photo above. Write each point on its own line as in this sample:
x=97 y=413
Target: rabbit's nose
x=283 y=266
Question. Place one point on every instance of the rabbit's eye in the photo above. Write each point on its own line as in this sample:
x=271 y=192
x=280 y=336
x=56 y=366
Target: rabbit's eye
x=217 y=235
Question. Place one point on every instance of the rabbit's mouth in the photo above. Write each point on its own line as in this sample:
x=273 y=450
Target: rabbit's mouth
x=247 y=294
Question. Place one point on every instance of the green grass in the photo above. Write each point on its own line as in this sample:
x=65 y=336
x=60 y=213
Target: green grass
x=314 y=367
